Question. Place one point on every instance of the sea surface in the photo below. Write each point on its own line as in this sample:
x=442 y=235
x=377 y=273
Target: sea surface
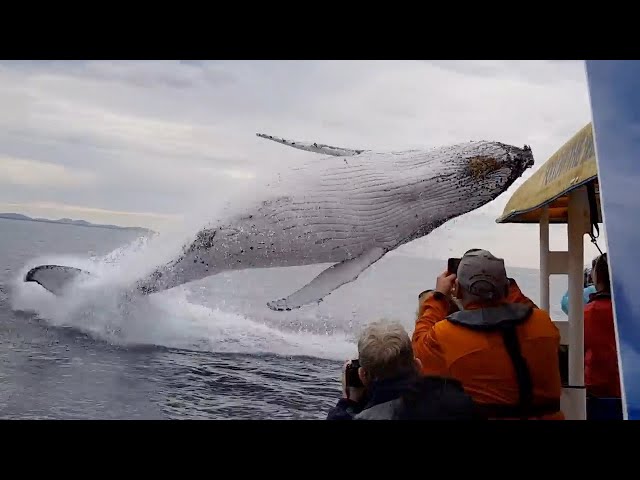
x=208 y=350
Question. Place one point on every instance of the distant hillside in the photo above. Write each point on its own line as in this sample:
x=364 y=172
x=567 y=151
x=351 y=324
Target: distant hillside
x=69 y=221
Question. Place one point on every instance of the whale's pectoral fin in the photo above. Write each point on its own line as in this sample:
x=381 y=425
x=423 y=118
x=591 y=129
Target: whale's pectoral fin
x=329 y=280
x=54 y=278
x=314 y=147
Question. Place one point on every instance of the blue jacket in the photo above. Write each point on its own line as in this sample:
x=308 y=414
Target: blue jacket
x=585 y=296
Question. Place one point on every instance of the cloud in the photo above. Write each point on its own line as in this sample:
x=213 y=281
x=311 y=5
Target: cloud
x=163 y=136
x=34 y=173
x=171 y=74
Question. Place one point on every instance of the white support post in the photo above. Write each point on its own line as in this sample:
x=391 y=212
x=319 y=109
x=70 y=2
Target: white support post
x=544 y=259
x=576 y=229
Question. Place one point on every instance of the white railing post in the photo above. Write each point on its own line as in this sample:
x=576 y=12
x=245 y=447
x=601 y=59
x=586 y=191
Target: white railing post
x=576 y=229
x=544 y=259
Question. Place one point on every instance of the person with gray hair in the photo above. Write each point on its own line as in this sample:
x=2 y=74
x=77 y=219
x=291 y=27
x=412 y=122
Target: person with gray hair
x=503 y=351
x=384 y=383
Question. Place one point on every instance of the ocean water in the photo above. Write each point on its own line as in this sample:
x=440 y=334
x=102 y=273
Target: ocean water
x=207 y=350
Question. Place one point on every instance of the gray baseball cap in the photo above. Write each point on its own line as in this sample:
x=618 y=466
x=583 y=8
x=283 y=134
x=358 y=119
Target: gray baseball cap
x=483 y=275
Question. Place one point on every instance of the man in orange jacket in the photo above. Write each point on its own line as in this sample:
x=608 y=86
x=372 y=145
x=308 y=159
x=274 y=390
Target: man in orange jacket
x=425 y=295
x=502 y=348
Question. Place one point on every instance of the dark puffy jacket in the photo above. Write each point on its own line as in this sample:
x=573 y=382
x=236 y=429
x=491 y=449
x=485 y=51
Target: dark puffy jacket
x=409 y=398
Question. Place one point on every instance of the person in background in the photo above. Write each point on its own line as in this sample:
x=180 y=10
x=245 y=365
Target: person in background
x=388 y=384
x=504 y=352
x=588 y=286
x=601 y=374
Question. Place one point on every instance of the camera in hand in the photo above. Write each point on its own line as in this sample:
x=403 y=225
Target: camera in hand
x=351 y=375
x=452 y=265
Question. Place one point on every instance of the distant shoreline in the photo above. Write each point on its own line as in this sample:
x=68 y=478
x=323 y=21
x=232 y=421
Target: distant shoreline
x=69 y=221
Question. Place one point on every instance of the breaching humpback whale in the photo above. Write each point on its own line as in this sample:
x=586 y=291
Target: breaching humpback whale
x=349 y=208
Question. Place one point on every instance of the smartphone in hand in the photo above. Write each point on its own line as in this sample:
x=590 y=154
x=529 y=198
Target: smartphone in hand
x=452 y=265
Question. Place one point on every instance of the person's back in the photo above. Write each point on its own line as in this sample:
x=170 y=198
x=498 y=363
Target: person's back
x=504 y=353
x=390 y=386
x=479 y=359
x=418 y=398
x=601 y=357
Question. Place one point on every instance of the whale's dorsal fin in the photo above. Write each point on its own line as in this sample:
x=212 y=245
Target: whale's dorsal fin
x=314 y=147
x=329 y=280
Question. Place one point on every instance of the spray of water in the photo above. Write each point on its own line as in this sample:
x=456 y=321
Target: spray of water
x=103 y=307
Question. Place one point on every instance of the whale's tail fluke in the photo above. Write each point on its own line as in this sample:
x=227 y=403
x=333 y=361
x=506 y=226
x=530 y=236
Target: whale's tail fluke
x=314 y=147
x=54 y=278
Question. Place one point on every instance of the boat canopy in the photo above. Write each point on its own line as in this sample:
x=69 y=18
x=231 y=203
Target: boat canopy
x=564 y=190
x=571 y=167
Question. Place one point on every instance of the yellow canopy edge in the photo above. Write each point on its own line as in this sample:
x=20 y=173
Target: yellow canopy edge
x=572 y=166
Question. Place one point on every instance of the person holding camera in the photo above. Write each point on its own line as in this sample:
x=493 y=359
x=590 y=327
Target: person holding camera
x=384 y=383
x=426 y=294
x=514 y=294
x=502 y=348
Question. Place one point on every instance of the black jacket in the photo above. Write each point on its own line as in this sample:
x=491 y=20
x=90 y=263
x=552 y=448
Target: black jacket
x=409 y=398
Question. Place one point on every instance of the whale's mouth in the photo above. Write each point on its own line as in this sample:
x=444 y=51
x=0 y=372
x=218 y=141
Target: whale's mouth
x=482 y=167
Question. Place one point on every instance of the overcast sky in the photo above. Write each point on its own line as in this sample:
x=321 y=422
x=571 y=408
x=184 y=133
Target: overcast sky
x=146 y=142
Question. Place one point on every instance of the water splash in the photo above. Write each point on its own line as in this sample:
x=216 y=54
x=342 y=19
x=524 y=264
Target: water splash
x=102 y=307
